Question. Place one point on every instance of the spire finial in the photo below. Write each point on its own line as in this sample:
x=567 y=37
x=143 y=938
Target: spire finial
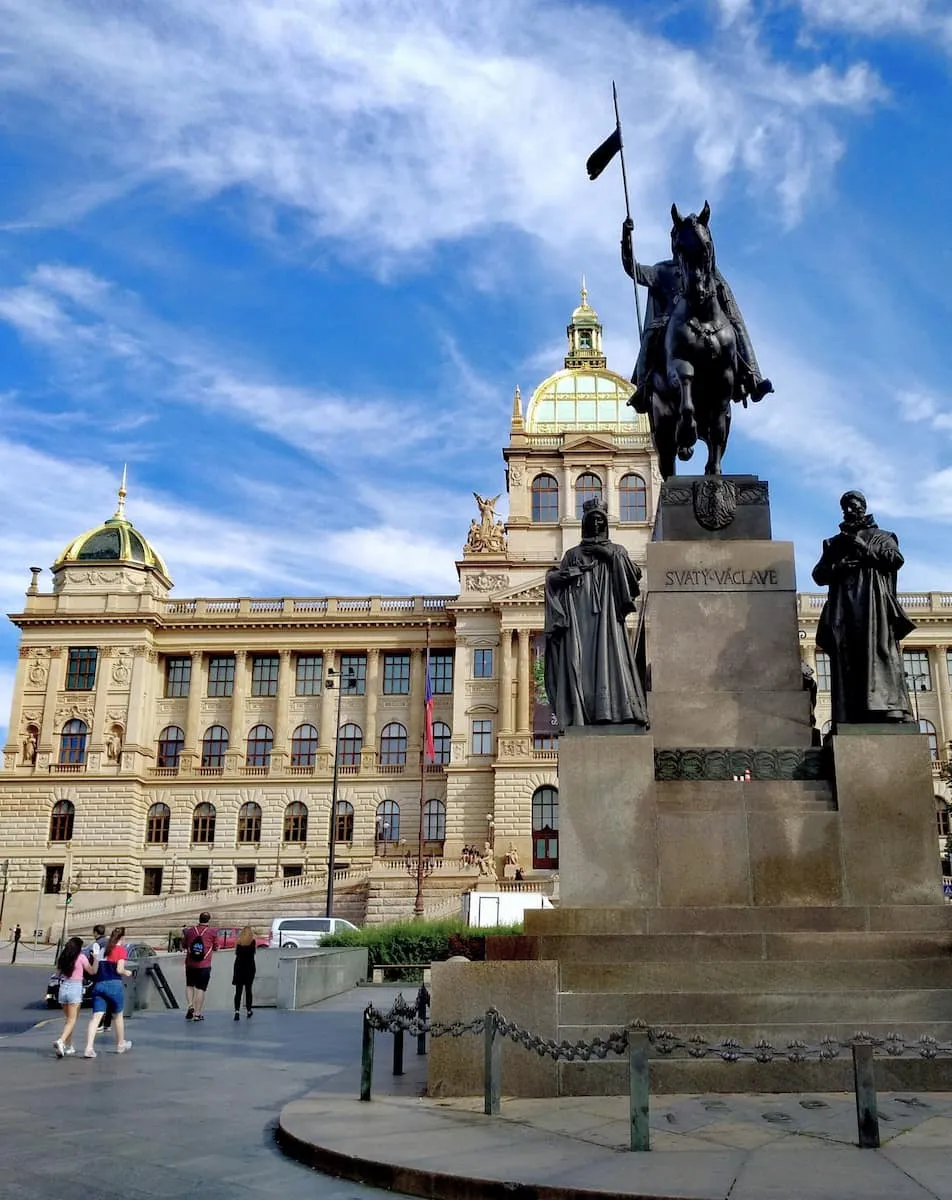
x=517 y=404
x=584 y=291
x=121 y=507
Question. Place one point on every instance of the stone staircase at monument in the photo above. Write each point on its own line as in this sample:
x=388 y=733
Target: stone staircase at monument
x=777 y=974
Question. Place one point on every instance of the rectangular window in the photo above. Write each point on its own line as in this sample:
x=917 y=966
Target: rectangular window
x=915 y=664
x=221 y=675
x=178 y=677
x=264 y=674
x=53 y=879
x=292 y=870
x=482 y=737
x=244 y=875
x=822 y=671
x=152 y=881
x=396 y=674
x=353 y=674
x=948 y=665
x=309 y=673
x=198 y=879
x=545 y=741
x=482 y=664
x=441 y=672
x=81 y=669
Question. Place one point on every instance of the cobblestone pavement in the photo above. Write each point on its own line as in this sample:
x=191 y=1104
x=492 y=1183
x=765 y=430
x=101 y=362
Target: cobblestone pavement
x=190 y=1111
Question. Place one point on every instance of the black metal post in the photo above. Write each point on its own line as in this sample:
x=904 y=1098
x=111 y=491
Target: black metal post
x=864 y=1081
x=422 y=1004
x=366 y=1057
x=3 y=895
x=492 y=1062
x=398 y=1052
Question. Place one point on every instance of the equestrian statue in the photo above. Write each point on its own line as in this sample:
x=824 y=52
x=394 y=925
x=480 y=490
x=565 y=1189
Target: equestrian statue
x=696 y=357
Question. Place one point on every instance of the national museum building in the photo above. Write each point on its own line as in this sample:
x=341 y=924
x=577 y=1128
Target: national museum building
x=160 y=745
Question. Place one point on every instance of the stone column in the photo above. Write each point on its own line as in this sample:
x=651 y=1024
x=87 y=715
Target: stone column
x=17 y=723
x=415 y=730
x=97 y=737
x=54 y=685
x=566 y=495
x=327 y=733
x=191 y=755
x=238 y=734
x=373 y=691
x=523 y=715
x=281 y=754
x=940 y=674
x=138 y=732
x=505 y=681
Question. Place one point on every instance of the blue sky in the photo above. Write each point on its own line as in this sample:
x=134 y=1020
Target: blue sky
x=287 y=258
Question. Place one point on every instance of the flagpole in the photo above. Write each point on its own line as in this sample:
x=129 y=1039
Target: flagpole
x=624 y=180
x=418 y=899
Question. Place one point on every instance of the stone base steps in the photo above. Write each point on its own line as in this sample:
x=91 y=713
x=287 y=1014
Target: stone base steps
x=712 y=1076
x=740 y=976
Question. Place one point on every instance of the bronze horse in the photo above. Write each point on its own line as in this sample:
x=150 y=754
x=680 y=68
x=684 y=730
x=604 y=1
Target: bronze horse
x=700 y=352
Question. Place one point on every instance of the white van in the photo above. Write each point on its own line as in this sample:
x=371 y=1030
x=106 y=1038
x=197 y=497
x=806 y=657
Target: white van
x=297 y=933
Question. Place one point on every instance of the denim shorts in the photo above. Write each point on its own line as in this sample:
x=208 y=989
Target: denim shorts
x=108 y=996
x=71 y=991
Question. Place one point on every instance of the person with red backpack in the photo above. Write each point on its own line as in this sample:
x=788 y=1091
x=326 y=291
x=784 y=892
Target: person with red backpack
x=199 y=943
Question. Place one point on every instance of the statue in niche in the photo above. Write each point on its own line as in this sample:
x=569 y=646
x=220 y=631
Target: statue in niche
x=591 y=677
x=512 y=856
x=113 y=744
x=862 y=622
x=29 y=744
x=487 y=864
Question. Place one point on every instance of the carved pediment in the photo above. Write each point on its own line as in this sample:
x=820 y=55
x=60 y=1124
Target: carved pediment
x=532 y=592
x=584 y=442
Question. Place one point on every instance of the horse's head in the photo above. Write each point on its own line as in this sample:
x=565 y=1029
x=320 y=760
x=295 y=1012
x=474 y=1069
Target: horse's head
x=693 y=247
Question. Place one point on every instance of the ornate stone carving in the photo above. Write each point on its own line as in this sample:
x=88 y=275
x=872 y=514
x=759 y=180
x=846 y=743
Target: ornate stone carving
x=480 y=689
x=32 y=716
x=113 y=744
x=25 y=651
x=753 y=492
x=487 y=535
x=122 y=668
x=72 y=712
x=715 y=502
x=727 y=763
x=486 y=582
x=39 y=671
x=28 y=747
x=516 y=473
x=514 y=747
x=55 y=651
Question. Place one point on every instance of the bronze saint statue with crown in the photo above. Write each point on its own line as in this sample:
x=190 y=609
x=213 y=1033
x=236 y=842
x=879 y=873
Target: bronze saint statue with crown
x=591 y=675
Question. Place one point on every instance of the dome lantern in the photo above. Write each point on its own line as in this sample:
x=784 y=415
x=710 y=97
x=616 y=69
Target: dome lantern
x=585 y=336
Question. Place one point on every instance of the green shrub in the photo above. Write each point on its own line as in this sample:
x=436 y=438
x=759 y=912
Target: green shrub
x=419 y=942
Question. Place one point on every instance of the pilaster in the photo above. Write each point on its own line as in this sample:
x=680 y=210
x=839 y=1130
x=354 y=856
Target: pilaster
x=238 y=735
x=524 y=691
x=281 y=754
x=191 y=755
x=54 y=685
x=940 y=673
x=505 y=680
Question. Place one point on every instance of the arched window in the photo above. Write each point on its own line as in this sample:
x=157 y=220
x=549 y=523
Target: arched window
x=434 y=821
x=393 y=745
x=587 y=487
x=249 y=823
x=388 y=821
x=304 y=746
x=441 y=742
x=545 y=499
x=350 y=742
x=927 y=727
x=157 y=825
x=203 y=823
x=214 y=745
x=344 y=822
x=545 y=828
x=61 y=821
x=295 y=822
x=260 y=742
x=171 y=741
x=73 y=743
x=632 y=498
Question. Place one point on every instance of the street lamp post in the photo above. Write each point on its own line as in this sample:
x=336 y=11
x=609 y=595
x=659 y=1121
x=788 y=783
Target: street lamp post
x=3 y=895
x=916 y=684
x=347 y=683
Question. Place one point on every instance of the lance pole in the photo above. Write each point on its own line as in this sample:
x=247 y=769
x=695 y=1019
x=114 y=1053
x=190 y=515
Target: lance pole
x=624 y=181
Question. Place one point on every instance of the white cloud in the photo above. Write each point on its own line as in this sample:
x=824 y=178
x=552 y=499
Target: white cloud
x=391 y=128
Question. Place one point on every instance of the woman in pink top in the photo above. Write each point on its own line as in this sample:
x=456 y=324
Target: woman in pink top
x=71 y=964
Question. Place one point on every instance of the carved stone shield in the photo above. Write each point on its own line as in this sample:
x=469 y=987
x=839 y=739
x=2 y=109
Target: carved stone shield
x=715 y=502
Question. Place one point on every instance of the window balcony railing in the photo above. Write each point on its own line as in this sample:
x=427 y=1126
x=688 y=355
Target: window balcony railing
x=546 y=755
x=302 y=770
x=163 y=772
x=436 y=768
x=349 y=769
x=210 y=771
x=246 y=770
x=392 y=768
x=69 y=768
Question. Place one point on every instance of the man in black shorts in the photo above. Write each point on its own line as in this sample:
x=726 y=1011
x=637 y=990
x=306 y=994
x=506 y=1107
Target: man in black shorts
x=199 y=943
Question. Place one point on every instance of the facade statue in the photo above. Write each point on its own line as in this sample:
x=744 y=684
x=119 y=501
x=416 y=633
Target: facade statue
x=512 y=856
x=591 y=677
x=487 y=863
x=696 y=355
x=486 y=536
x=28 y=745
x=113 y=744
x=862 y=621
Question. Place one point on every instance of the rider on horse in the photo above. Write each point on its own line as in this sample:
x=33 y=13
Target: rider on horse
x=664 y=283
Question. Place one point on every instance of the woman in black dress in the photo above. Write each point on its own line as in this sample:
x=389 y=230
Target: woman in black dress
x=243 y=975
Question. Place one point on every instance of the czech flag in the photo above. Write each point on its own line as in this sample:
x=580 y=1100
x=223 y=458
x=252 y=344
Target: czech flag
x=429 y=748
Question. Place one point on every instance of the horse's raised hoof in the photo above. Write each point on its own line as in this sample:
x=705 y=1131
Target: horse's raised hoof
x=685 y=453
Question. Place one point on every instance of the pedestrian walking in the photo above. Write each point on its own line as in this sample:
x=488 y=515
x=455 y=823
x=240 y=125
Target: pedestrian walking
x=94 y=952
x=72 y=964
x=243 y=974
x=108 y=993
x=199 y=943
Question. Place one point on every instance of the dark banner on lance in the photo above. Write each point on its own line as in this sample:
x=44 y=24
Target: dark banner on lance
x=544 y=721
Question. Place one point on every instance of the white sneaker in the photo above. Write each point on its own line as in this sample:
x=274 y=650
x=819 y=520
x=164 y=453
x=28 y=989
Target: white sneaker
x=70 y=1050
x=123 y=1047
x=89 y=1054
x=59 y=1048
